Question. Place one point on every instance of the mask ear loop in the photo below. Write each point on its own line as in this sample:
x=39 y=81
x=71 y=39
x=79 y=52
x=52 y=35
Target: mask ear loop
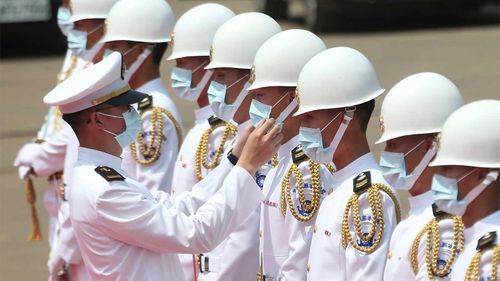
x=415 y=147
x=490 y=177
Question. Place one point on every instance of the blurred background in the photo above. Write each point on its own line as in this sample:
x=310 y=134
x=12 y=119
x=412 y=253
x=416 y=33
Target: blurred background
x=457 y=38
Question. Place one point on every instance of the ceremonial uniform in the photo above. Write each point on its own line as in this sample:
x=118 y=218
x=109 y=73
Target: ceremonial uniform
x=328 y=256
x=188 y=172
x=398 y=266
x=479 y=238
x=237 y=256
x=156 y=168
x=285 y=241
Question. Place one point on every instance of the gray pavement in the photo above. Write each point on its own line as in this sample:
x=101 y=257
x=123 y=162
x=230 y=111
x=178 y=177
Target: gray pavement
x=469 y=55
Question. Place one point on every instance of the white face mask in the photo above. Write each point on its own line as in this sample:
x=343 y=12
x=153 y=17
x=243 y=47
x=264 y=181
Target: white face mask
x=182 y=80
x=312 y=140
x=259 y=111
x=394 y=167
x=132 y=127
x=129 y=72
x=64 y=20
x=217 y=98
x=445 y=192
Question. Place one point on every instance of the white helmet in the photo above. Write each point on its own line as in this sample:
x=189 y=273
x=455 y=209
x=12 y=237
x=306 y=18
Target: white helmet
x=195 y=30
x=336 y=78
x=432 y=95
x=470 y=136
x=90 y=9
x=279 y=60
x=148 y=21
x=236 y=42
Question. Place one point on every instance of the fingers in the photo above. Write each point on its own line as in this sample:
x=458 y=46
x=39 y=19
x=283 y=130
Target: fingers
x=264 y=127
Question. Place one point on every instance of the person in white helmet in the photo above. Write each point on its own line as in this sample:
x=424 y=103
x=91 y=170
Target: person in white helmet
x=203 y=147
x=337 y=90
x=140 y=31
x=284 y=222
x=232 y=53
x=467 y=184
x=126 y=232
x=411 y=144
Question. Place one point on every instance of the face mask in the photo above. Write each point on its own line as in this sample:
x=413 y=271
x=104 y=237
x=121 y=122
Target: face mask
x=217 y=99
x=182 y=79
x=64 y=20
x=107 y=52
x=312 y=140
x=394 y=167
x=259 y=111
x=445 y=192
x=132 y=127
x=77 y=40
x=129 y=72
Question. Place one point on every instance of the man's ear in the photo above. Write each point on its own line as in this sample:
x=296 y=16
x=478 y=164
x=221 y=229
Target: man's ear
x=95 y=120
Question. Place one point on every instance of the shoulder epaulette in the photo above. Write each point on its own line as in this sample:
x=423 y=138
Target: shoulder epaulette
x=487 y=240
x=437 y=212
x=108 y=173
x=145 y=103
x=298 y=155
x=362 y=182
x=214 y=121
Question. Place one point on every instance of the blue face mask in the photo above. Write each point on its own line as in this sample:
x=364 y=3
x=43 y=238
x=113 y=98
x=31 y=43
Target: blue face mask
x=394 y=167
x=312 y=143
x=77 y=40
x=260 y=111
x=64 y=20
x=182 y=80
x=217 y=99
x=445 y=192
x=132 y=127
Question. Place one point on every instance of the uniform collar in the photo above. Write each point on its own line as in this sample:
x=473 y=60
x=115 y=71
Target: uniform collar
x=242 y=126
x=420 y=202
x=488 y=223
x=363 y=163
x=203 y=113
x=286 y=148
x=152 y=86
x=99 y=158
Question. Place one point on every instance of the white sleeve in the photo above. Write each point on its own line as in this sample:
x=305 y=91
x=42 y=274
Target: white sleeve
x=360 y=266
x=136 y=219
x=68 y=246
x=240 y=259
x=47 y=157
x=189 y=202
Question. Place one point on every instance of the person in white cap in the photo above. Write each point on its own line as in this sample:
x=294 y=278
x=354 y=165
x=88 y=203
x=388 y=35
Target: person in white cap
x=284 y=238
x=467 y=185
x=411 y=144
x=231 y=57
x=45 y=157
x=124 y=231
x=206 y=141
x=140 y=30
x=337 y=90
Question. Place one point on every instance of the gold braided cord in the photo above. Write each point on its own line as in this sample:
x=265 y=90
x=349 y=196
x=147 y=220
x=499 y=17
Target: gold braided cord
x=201 y=157
x=472 y=273
x=432 y=246
x=377 y=228
x=151 y=151
x=63 y=75
x=286 y=196
x=274 y=160
x=330 y=167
